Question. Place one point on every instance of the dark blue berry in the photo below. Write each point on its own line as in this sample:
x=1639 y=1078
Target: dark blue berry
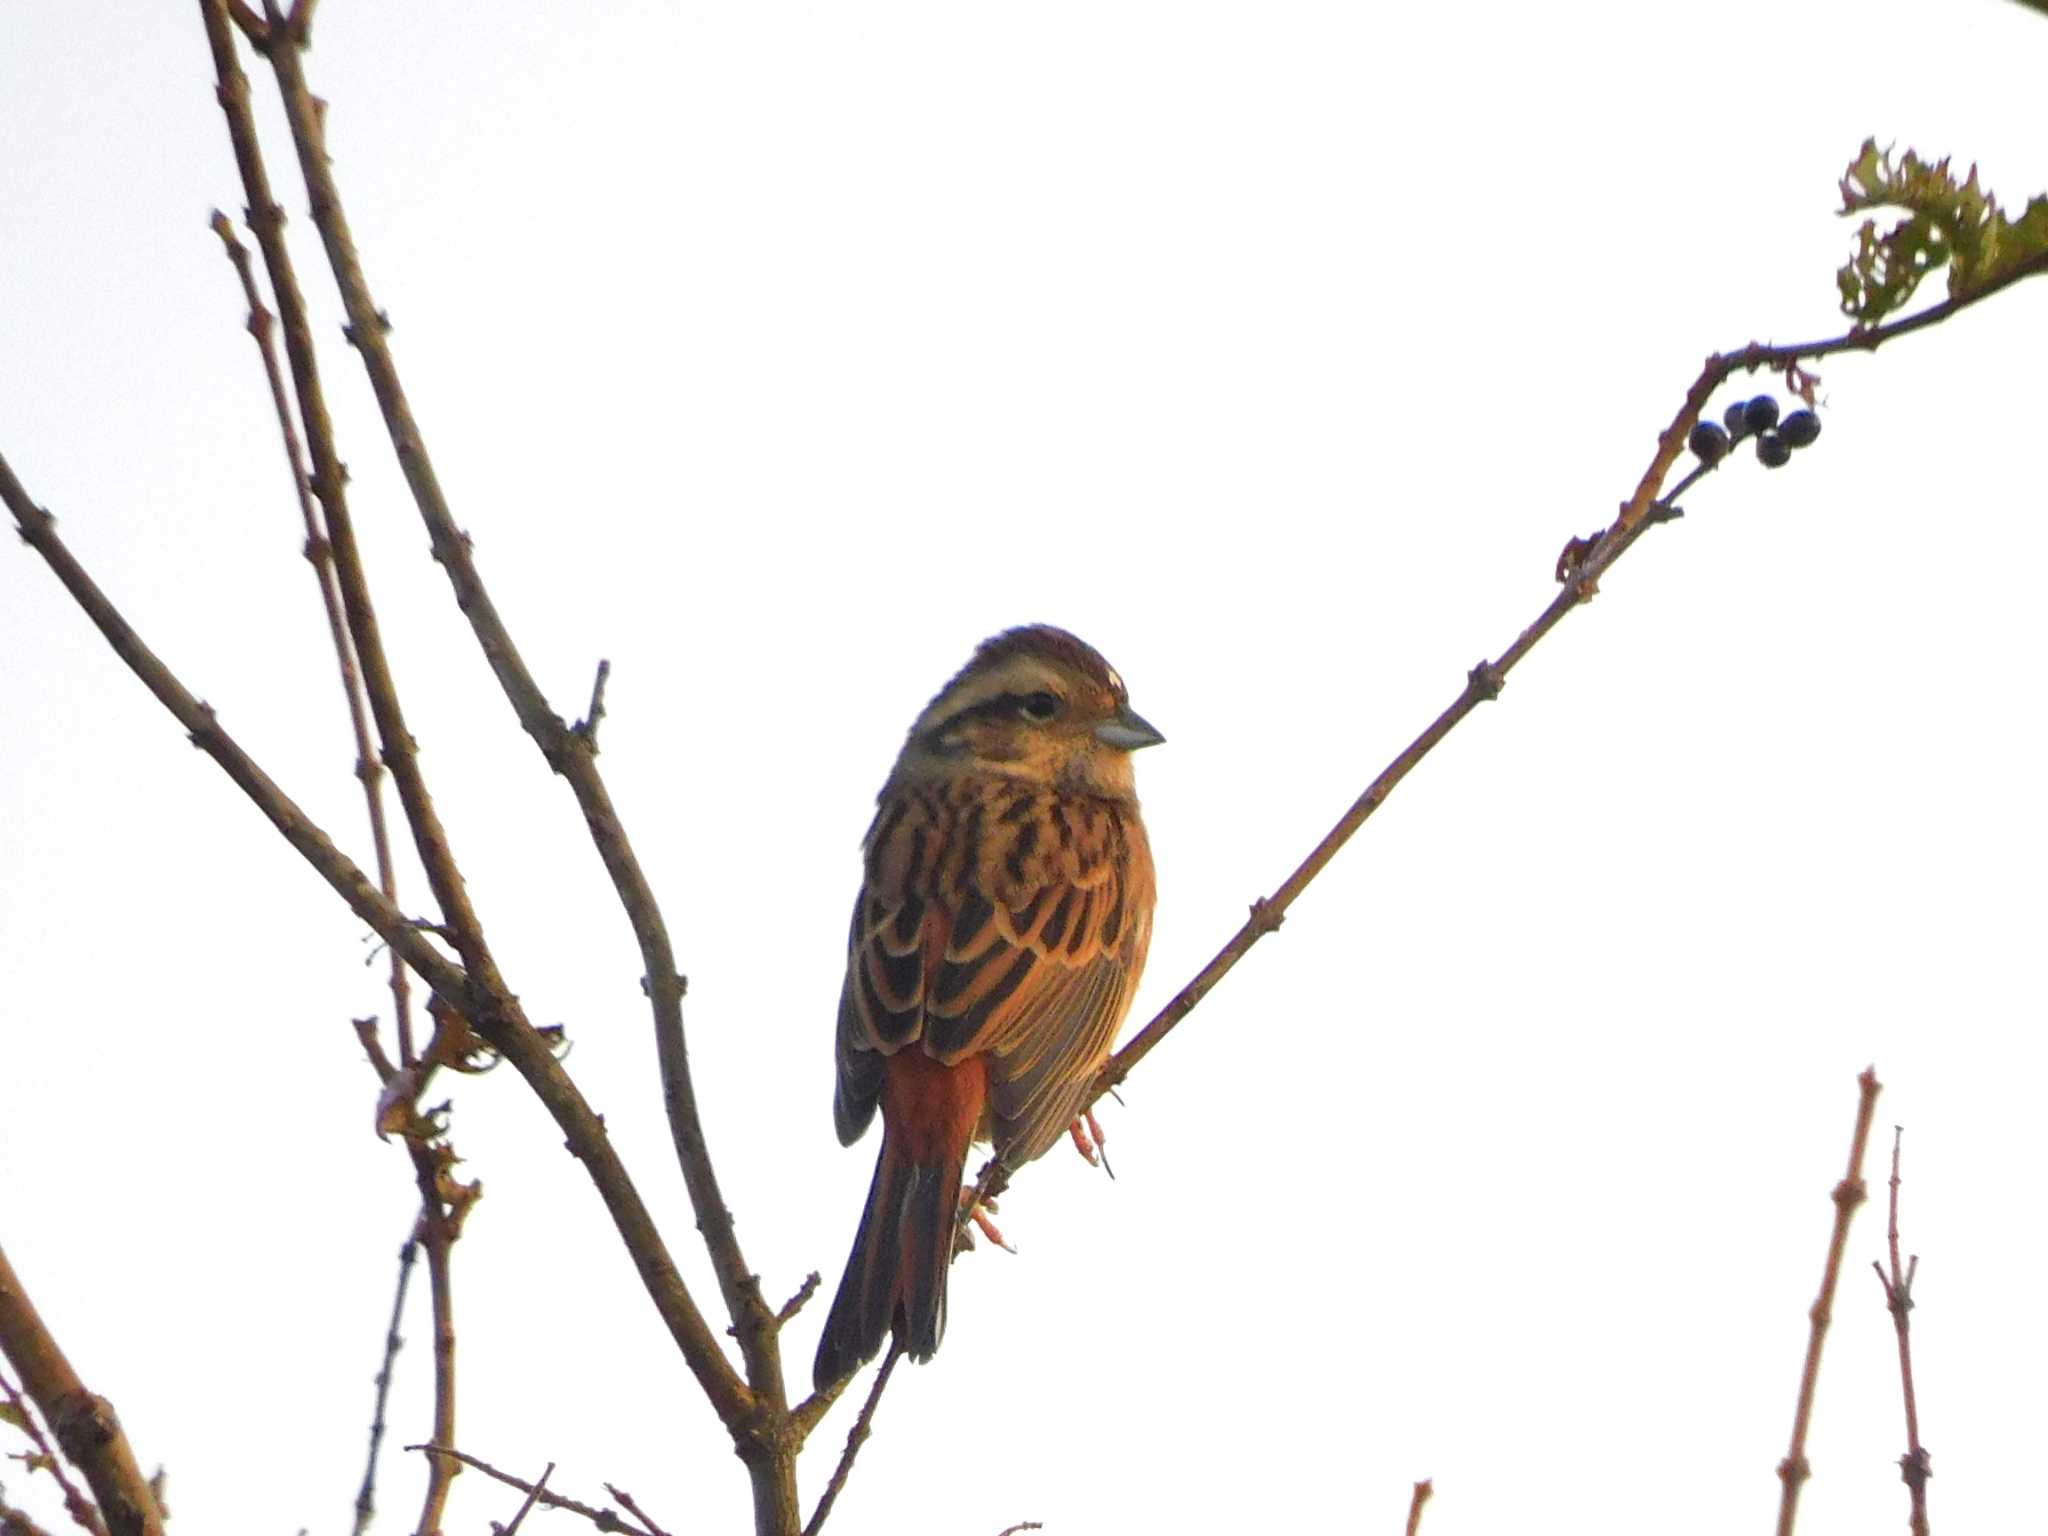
x=1772 y=451
x=1760 y=414
x=1800 y=428
x=1709 y=444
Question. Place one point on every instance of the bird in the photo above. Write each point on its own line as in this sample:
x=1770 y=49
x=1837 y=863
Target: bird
x=998 y=936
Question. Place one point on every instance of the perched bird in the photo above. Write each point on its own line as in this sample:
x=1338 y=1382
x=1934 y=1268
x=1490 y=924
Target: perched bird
x=997 y=940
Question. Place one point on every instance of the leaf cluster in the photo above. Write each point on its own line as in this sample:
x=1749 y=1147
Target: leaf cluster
x=1946 y=222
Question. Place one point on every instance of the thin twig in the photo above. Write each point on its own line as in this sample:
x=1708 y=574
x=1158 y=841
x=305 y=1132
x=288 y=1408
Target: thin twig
x=1579 y=573
x=320 y=554
x=1416 y=1500
x=319 y=549
x=486 y=1000
x=1021 y=1525
x=1642 y=509
x=532 y=1494
x=855 y=1439
x=564 y=750
x=366 y=1496
x=632 y=1508
x=1916 y=1466
x=586 y=728
x=795 y=1304
x=604 y=1519
x=768 y=1455
x=1793 y=1470
x=84 y=1424
x=81 y=1510
x=528 y=1051
x=15 y=1522
x=39 y=530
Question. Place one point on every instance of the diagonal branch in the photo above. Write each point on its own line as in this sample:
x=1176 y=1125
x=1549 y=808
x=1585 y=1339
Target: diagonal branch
x=856 y=1437
x=39 y=530
x=607 y=1520
x=489 y=1003
x=1638 y=513
x=84 y=1424
x=566 y=752
x=498 y=1015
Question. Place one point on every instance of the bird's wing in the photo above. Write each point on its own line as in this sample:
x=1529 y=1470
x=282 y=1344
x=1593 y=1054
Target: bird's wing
x=1002 y=921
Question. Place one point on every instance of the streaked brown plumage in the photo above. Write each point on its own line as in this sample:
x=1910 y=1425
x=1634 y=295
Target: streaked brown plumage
x=997 y=940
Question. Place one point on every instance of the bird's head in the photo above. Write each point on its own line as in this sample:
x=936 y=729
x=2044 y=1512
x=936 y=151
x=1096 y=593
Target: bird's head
x=1034 y=703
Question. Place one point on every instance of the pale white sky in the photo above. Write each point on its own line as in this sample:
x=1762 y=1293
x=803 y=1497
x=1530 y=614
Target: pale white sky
x=779 y=353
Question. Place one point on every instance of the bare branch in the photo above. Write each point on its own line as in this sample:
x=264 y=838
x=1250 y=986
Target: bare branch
x=87 y=1430
x=366 y=1496
x=608 y=1520
x=1793 y=1470
x=488 y=1002
x=496 y=1011
x=586 y=728
x=39 y=530
x=1420 y=1497
x=370 y=771
x=82 y=1511
x=1916 y=1466
x=795 y=1304
x=1589 y=559
x=566 y=751
x=856 y=1437
x=532 y=1494
x=769 y=1461
x=634 y=1509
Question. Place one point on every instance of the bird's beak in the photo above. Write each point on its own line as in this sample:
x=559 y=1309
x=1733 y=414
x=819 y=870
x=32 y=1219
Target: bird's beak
x=1126 y=730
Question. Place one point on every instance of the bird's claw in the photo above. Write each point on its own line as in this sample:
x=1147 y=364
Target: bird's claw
x=1089 y=1139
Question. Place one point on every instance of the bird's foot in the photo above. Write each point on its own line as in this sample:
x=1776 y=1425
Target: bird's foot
x=1089 y=1139
x=979 y=1214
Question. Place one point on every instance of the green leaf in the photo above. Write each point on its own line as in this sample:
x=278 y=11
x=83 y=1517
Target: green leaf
x=1946 y=223
x=11 y=1413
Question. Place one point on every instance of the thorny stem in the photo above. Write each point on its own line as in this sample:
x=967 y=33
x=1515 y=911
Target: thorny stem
x=1848 y=1194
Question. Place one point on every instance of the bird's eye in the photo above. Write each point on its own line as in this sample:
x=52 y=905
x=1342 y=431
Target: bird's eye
x=1039 y=707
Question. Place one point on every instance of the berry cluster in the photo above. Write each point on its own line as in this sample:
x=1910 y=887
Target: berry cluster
x=1756 y=418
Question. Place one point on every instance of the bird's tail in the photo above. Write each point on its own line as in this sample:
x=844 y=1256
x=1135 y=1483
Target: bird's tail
x=896 y=1273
